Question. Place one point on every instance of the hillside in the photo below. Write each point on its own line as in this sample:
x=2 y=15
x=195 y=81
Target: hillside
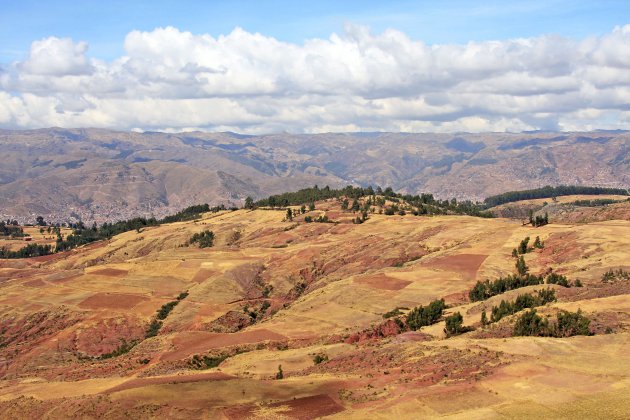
x=100 y=175
x=148 y=325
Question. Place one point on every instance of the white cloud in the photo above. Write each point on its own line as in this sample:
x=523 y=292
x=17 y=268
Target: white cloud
x=169 y=79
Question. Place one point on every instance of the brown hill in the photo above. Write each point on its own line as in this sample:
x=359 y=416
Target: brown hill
x=272 y=292
x=104 y=175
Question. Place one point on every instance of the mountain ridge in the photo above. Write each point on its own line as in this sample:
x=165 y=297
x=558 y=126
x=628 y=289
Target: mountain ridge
x=104 y=175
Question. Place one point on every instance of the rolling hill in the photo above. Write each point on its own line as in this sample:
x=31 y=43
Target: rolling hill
x=149 y=325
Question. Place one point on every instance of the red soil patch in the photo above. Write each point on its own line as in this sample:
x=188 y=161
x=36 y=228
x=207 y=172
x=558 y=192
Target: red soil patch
x=179 y=379
x=35 y=283
x=112 y=301
x=466 y=264
x=340 y=229
x=187 y=344
x=304 y=408
x=203 y=275
x=110 y=272
x=386 y=329
x=382 y=282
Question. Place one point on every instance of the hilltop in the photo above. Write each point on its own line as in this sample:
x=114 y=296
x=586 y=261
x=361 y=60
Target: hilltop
x=274 y=315
x=102 y=175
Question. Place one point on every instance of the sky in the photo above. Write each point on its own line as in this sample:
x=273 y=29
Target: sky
x=302 y=67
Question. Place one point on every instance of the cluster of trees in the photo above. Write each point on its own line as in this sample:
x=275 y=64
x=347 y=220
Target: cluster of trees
x=311 y=195
x=421 y=316
x=9 y=229
x=522 y=301
x=83 y=236
x=30 y=250
x=597 y=203
x=192 y=213
x=421 y=204
x=524 y=248
x=486 y=289
x=320 y=219
x=550 y=192
x=161 y=314
x=567 y=324
x=612 y=275
x=538 y=220
x=203 y=239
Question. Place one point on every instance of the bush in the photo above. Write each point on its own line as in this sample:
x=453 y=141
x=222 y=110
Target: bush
x=320 y=358
x=206 y=362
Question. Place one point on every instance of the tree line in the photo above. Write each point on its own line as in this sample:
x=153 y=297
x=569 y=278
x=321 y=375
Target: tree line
x=550 y=192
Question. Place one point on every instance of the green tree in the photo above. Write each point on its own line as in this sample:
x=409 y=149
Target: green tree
x=454 y=324
x=280 y=374
x=521 y=267
x=484 y=318
x=522 y=247
x=249 y=203
x=289 y=214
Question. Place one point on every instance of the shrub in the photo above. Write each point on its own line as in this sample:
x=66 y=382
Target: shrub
x=206 y=362
x=320 y=358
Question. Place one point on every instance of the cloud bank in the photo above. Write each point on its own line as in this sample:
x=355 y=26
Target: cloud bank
x=356 y=81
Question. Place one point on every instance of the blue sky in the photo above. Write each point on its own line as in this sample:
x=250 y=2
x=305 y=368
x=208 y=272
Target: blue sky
x=104 y=24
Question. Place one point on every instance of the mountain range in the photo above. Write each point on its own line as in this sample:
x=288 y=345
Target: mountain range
x=103 y=175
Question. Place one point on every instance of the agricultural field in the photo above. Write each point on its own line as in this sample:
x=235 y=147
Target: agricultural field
x=289 y=319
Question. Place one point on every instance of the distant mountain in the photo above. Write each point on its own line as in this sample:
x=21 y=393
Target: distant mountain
x=103 y=175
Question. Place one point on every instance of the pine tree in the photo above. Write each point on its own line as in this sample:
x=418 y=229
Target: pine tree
x=521 y=267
